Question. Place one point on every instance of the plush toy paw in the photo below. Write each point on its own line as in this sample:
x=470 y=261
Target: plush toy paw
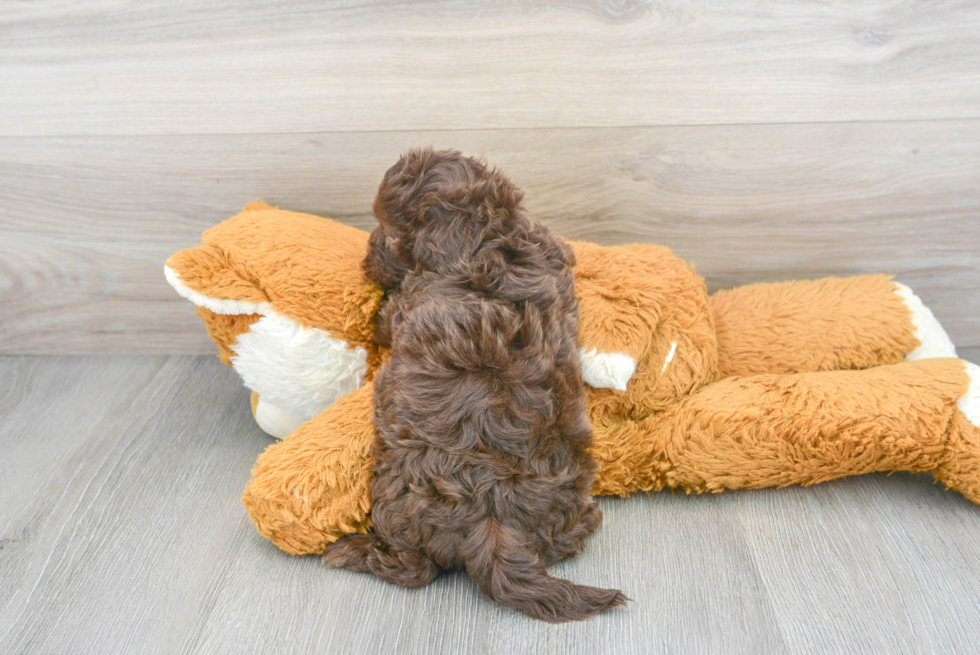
x=960 y=470
x=933 y=340
x=311 y=489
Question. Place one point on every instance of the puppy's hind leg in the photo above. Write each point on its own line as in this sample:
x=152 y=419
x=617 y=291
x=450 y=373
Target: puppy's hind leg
x=571 y=542
x=367 y=553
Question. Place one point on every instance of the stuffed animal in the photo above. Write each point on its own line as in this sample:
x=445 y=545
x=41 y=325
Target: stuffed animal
x=763 y=385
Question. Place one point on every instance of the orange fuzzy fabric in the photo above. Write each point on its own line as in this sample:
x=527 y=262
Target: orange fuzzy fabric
x=759 y=328
x=764 y=385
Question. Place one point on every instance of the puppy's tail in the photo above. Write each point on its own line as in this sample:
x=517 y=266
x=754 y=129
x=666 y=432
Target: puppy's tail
x=511 y=574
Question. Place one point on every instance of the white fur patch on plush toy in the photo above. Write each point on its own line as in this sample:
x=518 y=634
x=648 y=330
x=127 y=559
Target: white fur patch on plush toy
x=300 y=371
x=297 y=371
x=969 y=404
x=931 y=335
x=606 y=370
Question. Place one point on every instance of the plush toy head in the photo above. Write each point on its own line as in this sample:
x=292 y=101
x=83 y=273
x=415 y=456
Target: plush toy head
x=283 y=297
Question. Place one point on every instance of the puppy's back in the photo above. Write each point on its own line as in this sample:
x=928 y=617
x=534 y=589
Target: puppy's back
x=495 y=384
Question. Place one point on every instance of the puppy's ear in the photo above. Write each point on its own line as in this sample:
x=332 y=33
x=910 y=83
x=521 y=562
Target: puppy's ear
x=397 y=207
x=397 y=204
x=387 y=261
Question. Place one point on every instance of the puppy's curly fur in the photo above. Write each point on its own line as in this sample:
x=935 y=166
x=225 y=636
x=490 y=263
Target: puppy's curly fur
x=482 y=450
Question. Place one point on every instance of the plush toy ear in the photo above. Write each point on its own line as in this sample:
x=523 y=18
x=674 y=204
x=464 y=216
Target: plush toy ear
x=214 y=278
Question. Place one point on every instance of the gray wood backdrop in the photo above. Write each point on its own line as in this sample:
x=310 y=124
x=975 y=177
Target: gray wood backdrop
x=760 y=140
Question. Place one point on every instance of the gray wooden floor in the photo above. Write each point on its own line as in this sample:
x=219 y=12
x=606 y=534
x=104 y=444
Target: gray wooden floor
x=121 y=531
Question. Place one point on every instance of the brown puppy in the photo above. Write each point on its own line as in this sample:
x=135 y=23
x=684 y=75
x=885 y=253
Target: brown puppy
x=482 y=450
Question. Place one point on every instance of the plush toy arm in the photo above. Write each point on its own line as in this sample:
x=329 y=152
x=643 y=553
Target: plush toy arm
x=314 y=487
x=776 y=430
x=642 y=313
x=617 y=293
x=823 y=325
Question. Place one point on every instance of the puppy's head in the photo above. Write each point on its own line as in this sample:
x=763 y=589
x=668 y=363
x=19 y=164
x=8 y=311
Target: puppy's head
x=434 y=209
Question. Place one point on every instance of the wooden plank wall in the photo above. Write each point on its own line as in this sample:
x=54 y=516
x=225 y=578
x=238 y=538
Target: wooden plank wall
x=760 y=140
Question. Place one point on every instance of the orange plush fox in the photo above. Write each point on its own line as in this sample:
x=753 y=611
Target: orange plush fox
x=763 y=385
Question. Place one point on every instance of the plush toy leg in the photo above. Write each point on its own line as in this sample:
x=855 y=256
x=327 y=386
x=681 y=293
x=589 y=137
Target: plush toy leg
x=777 y=430
x=313 y=487
x=768 y=430
x=823 y=325
x=960 y=469
x=368 y=553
